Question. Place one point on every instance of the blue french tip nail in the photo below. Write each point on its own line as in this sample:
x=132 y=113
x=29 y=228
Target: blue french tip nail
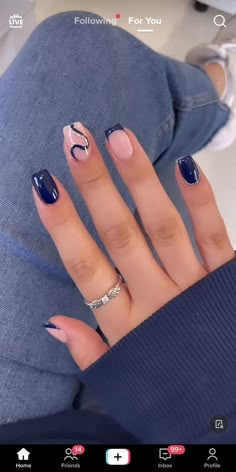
x=109 y=131
x=189 y=170
x=45 y=186
x=48 y=324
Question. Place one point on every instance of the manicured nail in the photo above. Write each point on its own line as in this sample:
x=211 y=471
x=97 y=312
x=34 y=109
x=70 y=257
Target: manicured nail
x=45 y=186
x=77 y=141
x=189 y=170
x=55 y=331
x=119 y=142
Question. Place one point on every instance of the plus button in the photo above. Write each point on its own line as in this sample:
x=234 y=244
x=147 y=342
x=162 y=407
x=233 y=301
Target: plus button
x=118 y=457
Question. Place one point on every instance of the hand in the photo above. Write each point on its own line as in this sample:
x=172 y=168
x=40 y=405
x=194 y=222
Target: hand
x=148 y=287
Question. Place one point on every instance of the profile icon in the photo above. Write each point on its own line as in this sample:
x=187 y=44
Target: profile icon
x=212 y=452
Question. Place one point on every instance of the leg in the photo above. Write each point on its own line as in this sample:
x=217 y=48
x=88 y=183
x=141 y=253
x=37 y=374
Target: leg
x=99 y=75
x=217 y=75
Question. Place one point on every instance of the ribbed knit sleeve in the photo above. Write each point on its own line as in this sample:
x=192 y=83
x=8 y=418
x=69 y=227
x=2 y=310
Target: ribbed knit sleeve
x=165 y=380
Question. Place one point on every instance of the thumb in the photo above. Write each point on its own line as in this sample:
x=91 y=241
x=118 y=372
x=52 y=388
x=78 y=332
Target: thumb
x=83 y=342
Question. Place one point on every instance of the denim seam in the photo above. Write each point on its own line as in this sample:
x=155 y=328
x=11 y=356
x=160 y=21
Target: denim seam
x=165 y=126
x=188 y=104
x=224 y=107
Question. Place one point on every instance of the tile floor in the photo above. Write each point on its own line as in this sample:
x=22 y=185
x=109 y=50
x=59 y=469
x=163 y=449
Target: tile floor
x=181 y=28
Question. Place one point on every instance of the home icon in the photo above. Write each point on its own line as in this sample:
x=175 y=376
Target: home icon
x=23 y=455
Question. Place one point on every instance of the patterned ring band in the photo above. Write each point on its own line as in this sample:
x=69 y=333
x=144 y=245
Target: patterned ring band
x=112 y=293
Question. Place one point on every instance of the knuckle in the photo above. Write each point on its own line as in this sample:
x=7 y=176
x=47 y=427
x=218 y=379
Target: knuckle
x=215 y=238
x=82 y=269
x=119 y=236
x=61 y=219
x=94 y=181
x=165 y=231
x=205 y=198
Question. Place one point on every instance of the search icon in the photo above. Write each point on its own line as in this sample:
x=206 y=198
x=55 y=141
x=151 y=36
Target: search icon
x=219 y=20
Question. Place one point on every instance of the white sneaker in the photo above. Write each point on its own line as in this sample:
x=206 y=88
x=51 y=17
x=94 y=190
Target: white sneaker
x=221 y=50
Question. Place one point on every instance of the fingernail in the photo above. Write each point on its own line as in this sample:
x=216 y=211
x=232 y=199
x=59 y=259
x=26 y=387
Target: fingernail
x=189 y=170
x=55 y=331
x=77 y=141
x=119 y=142
x=45 y=186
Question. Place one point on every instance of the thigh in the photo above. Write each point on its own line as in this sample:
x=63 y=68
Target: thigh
x=64 y=73
x=29 y=392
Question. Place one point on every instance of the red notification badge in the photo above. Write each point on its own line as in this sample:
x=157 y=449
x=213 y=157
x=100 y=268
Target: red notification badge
x=78 y=449
x=176 y=449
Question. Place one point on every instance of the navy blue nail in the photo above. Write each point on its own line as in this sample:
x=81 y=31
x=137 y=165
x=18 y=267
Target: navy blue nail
x=45 y=186
x=109 y=131
x=189 y=170
x=48 y=324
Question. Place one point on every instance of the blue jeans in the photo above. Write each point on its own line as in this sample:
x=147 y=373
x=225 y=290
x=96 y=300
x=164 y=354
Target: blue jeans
x=99 y=75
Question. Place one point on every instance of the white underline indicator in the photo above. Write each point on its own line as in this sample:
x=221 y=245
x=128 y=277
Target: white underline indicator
x=145 y=31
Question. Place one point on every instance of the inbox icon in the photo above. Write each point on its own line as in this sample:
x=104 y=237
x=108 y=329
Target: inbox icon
x=118 y=456
x=164 y=454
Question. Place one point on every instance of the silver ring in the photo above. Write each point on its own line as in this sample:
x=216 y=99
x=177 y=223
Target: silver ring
x=112 y=293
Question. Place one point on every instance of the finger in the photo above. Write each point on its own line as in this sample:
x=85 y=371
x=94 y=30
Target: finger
x=148 y=284
x=84 y=344
x=84 y=261
x=159 y=216
x=209 y=228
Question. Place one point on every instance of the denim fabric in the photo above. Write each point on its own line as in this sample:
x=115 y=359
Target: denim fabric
x=100 y=75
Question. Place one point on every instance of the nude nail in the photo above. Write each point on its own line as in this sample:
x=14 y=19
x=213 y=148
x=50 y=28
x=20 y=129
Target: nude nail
x=119 y=142
x=55 y=331
x=77 y=141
